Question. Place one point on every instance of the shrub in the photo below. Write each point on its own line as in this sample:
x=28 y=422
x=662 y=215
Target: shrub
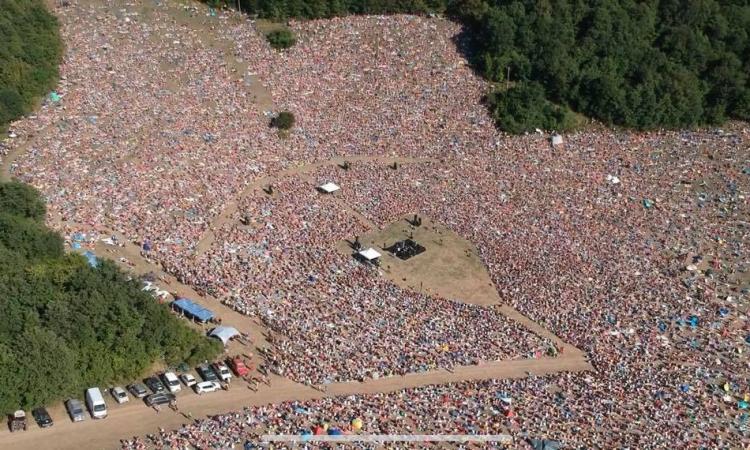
x=284 y=121
x=281 y=39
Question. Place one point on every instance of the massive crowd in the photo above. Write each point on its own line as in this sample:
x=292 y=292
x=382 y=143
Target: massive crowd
x=631 y=246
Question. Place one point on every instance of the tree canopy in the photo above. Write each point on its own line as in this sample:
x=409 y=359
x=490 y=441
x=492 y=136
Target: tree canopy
x=66 y=326
x=30 y=51
x=283 y=121
x=281 y=39
x=639 y=64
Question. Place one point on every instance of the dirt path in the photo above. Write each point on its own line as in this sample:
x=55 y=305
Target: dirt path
x=135 y=419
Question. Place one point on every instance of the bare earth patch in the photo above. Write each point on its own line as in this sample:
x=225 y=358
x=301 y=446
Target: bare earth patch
x=450 y=266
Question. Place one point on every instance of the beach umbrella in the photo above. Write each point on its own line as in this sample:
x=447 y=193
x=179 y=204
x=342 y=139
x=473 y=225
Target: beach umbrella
x=357 y=424
x=318 y=430
x=334 y=432
x=742 y=404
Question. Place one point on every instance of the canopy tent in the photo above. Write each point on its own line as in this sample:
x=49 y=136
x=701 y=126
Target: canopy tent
x=329 y=187
x=369 y=254
x=192 y=310
x=557 y=140
x=224 y=333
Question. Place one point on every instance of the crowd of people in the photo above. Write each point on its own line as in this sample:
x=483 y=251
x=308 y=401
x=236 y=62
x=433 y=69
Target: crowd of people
x=333 y=318
x=631 y=246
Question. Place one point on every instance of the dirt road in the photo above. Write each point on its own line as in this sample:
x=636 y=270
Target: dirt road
x=134 y=418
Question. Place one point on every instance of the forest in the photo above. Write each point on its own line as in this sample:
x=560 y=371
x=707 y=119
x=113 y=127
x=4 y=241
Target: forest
x=637 y=64
x=67 y=326
x=30 y=52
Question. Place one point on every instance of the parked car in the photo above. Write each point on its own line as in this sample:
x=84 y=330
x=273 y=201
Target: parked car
x=206 y=373
x=206 y=386
x=17 y=421
x=75 y=410
x=171 y=381
x=188 y=379
x=239 y=367
x=138 y=390
x=120 y=395
x=155 y=385
x=222 y=371
x=95 y=402
x=162 y=398
x=42 y=417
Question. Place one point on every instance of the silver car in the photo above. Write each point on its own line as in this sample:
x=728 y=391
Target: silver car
x=75 y=409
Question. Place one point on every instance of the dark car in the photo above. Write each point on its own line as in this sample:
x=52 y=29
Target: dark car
x=75 y=409
x=162 y=398
x=42 y=417
x=155 y=385
x=138 y=390
x=205 y=372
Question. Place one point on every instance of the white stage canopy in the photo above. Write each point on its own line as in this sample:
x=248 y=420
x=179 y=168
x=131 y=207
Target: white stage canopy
x=329 y=187
x=370 y=254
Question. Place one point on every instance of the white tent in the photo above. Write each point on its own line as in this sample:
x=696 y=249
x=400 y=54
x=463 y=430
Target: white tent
x=224 y=333
x=329 y=187
x=557 y=140
x=370 y=254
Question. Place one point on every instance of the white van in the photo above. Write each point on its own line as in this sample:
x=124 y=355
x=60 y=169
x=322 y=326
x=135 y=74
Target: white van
x=172 y=382
x=95 y=402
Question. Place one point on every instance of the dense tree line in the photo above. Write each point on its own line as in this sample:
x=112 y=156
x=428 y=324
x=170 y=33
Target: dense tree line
x=667 y=63
x=30 y=51
x=66 y=326
x=314 y=9
x=640 y=64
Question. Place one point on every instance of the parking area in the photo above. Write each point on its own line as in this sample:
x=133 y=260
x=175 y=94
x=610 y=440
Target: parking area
x=133 y=417
x=158 y=391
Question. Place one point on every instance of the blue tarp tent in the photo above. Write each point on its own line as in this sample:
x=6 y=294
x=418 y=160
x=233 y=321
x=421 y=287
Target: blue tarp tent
x=91 y=259
x=192 y=310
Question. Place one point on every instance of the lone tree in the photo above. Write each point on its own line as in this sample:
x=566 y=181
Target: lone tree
x=284 y=121
x=281 y=39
